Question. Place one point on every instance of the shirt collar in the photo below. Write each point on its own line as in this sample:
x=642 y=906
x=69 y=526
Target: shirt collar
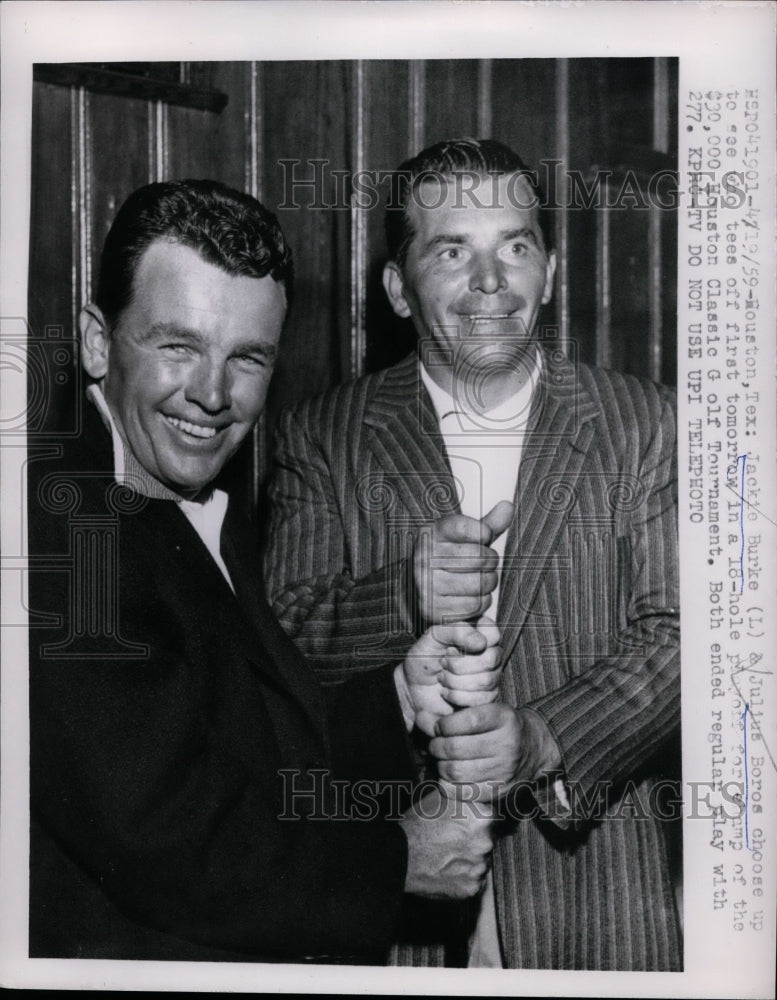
x=445 y=404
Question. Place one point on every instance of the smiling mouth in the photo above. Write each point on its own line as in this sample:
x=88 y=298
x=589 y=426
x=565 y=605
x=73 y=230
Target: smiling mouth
x=488 y=315
x=193 y=430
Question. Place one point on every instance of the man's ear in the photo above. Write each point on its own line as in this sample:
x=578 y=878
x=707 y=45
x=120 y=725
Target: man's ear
x=394 y=285
x=95 y=341
x=550 y=272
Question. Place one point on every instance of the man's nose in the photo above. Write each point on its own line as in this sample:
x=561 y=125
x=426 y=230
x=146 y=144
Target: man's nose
x=209 y=387
x=487 y=275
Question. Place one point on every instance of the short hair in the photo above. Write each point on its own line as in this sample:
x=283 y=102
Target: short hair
x=226 y=227
x=482 y=156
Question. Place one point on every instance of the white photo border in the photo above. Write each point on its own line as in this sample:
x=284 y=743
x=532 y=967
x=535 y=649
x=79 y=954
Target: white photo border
x=720 y=46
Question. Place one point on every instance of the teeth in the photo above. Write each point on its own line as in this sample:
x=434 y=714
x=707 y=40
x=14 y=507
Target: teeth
x=194 y=429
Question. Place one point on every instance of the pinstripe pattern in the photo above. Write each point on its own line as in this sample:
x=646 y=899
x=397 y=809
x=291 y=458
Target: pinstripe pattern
x=588 y=611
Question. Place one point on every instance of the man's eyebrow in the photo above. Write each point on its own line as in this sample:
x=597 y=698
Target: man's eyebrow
x=186 y=335
x=161 y=331
x=524 y=233
x=444 y=238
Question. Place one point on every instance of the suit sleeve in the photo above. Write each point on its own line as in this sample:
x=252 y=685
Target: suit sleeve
x=138 y=775
x=343 y=620
x=609 y=719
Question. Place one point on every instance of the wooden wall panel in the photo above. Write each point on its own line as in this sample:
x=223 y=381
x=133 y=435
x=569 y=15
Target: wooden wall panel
x=305 y=108
x=629 y=111
x=524 y=107
x=50 y=315
x=587 y=99
x=389 y=128
x=616 y=276
x=203 y=144
x=451 y=100
x=51 y=222
x=120 y=151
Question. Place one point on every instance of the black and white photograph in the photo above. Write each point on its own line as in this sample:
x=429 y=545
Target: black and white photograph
x=388 y=493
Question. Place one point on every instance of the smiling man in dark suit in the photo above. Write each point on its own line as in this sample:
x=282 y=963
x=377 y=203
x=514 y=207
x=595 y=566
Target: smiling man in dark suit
x=488 y=469
x=183 y=753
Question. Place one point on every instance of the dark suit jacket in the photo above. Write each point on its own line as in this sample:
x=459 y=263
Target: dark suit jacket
x=588 y=610
x=162 y=710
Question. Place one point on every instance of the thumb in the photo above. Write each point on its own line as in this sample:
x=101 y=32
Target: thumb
x=498 y=518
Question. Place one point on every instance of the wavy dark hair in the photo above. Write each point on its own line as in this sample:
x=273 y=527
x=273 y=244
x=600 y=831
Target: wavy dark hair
x=446 y=159
x=226 y=227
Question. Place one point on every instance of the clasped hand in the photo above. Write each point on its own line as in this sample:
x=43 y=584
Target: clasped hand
x=454 y=566
x=451 y=667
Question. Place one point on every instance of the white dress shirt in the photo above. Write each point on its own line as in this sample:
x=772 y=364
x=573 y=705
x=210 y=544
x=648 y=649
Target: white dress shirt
x=484 y=450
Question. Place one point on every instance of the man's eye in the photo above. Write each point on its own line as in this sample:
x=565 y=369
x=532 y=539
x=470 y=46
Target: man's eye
x=451 y=253
x=518 y=248
x=178 y=349
x=252 y=360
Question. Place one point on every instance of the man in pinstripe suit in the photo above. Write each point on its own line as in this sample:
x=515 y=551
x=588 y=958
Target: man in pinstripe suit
x=489 y=469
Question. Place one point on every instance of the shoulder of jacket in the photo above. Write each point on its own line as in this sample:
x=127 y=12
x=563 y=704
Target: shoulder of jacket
x=346 y=401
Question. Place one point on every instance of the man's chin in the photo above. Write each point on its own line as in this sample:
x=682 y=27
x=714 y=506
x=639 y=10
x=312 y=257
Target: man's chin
x=189 y=485
x=495 y=355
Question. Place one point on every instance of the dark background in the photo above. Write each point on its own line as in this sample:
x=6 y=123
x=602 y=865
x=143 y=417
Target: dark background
x=101 y=130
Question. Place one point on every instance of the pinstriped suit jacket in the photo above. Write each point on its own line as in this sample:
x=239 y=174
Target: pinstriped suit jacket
x=588 y=612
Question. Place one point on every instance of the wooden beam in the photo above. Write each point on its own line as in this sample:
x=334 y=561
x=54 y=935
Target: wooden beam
x=105 y=81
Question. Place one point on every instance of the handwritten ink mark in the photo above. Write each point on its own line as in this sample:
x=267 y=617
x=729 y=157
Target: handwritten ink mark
x=754 y=658
x=747 y=775
x=752 y=506
x=743 y=459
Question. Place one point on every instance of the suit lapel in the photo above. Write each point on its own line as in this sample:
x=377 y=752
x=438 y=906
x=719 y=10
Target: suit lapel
x=405 y=439
x=267 y=647
x=554 y=454
x=404 y=436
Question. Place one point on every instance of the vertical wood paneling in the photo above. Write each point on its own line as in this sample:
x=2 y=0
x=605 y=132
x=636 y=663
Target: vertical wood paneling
x=603 y=315
x=389 y=124
x=616 y=276
x=450 y=100
x=485 y=98
x=358 y=340
x=307 y=116
x=661 y=124
x=158 y=142
x=203 y=144
x=523 y=113
x=661 y=112
x=586 y=92
x=417 y=107
x=81 y=197
x=655 y=294
x=561 y=195
x=254 y=121
x=51 y=389
x=629 y=92
x=119 y=158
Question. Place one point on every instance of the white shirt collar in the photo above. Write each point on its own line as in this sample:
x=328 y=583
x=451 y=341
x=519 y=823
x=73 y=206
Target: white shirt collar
x=498 y=419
